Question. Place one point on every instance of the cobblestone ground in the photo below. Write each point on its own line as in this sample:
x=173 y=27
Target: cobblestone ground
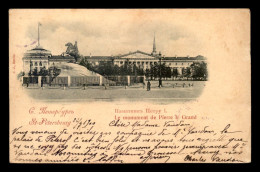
x=168 y=93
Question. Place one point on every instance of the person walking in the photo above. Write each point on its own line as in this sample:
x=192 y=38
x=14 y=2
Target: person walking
x=148 y=86
x=42 y=83
x=160 y=83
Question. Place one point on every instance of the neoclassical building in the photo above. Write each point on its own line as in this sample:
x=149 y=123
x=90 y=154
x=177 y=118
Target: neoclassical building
x=38 y=58
x=146 y=60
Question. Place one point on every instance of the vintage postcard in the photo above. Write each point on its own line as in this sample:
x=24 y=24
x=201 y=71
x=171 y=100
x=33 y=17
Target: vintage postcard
x=129 y=86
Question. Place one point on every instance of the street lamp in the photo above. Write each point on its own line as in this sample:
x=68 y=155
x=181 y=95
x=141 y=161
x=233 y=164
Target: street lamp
x=160 y=79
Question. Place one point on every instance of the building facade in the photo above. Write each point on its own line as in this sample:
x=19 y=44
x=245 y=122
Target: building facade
x=147 y=60
x=39 y=58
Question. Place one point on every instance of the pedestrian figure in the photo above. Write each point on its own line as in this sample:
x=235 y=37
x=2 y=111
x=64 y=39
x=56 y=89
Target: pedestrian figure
x=183 y=85
x=27 y=83
x=148 y=86
x=160 y=83
x=42 y=83
x=84 y=85
x=143 y=84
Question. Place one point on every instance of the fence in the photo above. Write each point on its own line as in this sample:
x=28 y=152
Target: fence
x=122 y=80
x=57 y=81
x=136 y=79
x=114 y=80
x=30 y=80
x=178 y=79
x=83 y=80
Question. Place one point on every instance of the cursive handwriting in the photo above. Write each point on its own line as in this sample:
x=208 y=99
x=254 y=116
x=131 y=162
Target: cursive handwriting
x=84 y=141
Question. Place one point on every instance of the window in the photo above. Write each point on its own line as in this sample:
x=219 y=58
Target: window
x=176 y=64
x=182 y=64
x=40 y=64
x=35 y=64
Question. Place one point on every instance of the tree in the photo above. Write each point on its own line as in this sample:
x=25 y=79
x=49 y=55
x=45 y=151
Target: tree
x=199 y=69
x=168 y=72
x=20 y=75
x=140 y=71
x=35 y=72
x=43 y=72
x=116 y=70
x=147 y=73
x=56 y=71
x=187 y=72
x=174 y=72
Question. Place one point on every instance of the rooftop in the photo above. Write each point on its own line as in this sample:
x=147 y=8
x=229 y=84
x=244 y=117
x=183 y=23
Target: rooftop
x=199 y=57
x=61 y=57
x=37 y=52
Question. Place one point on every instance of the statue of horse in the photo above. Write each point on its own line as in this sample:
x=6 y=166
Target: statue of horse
x=70 y=48
x=73 y=50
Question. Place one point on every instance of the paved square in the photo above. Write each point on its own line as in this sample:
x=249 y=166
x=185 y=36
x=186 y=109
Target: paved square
x=167 y=93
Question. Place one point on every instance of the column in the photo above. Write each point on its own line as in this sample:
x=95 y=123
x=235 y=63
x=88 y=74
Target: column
x=100 y=80
x=128 y=80
x=39 y=80
x=69 y=81
x=179 y=69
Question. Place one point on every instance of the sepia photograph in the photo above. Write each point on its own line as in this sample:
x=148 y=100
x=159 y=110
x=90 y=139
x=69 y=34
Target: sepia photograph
x=147 y=60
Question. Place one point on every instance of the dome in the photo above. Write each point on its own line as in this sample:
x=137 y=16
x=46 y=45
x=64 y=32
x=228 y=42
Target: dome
x=37 y=52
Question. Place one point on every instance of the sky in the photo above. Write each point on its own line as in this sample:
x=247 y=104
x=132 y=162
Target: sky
x=116 y=38
x=111 y=32
x=178 y=32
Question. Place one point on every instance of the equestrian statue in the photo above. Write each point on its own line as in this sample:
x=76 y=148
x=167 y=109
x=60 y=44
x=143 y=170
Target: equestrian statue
x=72 y=50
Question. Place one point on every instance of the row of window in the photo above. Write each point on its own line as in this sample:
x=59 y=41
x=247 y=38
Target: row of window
x=121 y=62
x=36 y=63
x=39 y=68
